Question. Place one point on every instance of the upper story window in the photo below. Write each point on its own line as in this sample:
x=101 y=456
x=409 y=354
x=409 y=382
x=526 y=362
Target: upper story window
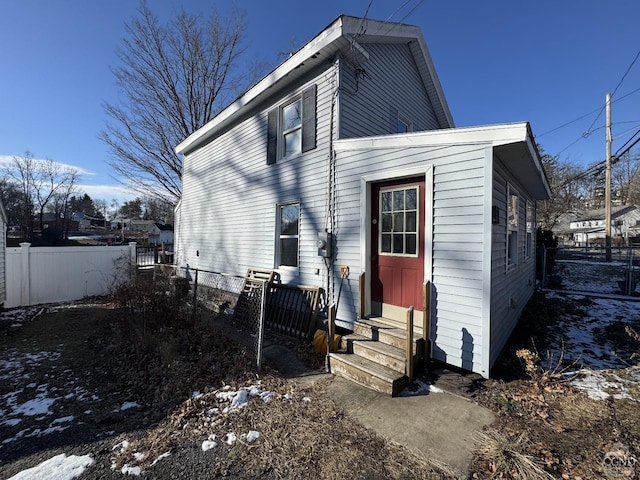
x=404 y=124
x=291 y=127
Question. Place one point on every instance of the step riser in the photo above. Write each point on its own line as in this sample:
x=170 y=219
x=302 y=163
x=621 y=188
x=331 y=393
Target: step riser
x=360 y=348
x=365 y=379
x=383 y=336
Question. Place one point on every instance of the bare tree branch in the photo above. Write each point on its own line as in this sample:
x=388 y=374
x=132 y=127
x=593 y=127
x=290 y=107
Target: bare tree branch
x=174 y=78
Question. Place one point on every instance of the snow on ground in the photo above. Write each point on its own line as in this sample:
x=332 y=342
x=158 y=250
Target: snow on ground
x=599 y=371
x=585 y=337
x=59 y=467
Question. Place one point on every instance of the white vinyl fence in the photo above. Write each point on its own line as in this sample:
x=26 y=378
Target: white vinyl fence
x=36 y=275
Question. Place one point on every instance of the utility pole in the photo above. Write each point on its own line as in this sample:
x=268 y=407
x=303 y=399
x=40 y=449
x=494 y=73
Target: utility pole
x=607 y=195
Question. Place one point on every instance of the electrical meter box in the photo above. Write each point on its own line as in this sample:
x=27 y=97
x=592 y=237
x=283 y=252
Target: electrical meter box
x=325 y=240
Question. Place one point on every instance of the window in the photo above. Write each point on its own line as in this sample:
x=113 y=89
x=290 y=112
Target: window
x=291 y=127
x=288 y=221
x=404 y=125
x=512 y=226
x=398 y=232
x=529 y=245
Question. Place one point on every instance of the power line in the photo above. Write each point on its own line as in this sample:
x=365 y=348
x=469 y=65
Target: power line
x=614 y=91
x=626 y=73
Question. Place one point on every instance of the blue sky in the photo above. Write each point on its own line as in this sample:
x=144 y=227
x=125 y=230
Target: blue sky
x=548 y=62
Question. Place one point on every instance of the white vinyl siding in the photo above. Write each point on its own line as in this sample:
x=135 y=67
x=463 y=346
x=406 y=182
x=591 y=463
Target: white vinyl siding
x=391 y=84
x=228 y=209
x=458 y=246
x=511 y=287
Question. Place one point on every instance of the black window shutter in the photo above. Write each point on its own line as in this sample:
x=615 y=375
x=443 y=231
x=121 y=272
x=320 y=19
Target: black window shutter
x=272 y=136
x=309 y=119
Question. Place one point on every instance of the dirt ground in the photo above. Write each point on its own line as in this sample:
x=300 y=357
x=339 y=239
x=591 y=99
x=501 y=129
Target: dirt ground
x=86 y=379
x=83 y=380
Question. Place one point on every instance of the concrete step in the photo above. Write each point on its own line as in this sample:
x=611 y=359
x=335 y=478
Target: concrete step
x=367 y=373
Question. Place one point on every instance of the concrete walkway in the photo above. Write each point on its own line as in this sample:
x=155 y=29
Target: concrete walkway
x=437 y=426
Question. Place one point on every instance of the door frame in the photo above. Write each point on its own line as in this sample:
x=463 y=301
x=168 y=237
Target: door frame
x=366 y=182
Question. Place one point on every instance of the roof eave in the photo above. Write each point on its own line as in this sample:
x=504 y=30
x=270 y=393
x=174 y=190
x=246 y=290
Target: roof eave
x=311 y=51
x=340 y=34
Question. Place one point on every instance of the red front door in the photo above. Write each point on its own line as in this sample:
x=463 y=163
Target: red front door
x=397 y=251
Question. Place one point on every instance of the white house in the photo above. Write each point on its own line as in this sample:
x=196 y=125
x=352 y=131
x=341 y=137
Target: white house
x=589 y=227
x=346 y=155
x=160 y=233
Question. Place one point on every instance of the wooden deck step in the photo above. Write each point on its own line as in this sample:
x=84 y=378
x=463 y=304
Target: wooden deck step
x=382 y=332
x=367 y=373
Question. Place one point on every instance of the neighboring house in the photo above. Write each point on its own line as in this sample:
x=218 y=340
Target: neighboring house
x=160 y=233
x=138 y=226
x=3 y=250
x=346 y=155
x=588 y=228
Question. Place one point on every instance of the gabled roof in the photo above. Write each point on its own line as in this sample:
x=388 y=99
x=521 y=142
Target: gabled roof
x=345 y=36
x=512 y=142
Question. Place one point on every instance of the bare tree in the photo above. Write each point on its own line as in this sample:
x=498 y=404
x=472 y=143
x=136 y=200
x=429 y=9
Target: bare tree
x=625 y=175
x=568 y=190
x=39 y=182
x=51 y=179
x=174 y=78
x=21 y=173
x=62 y=198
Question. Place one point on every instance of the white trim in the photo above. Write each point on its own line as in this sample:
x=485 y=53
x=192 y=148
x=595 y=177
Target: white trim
x=485 y=313
x=337 y=37
x=495 y=135
x=365 y=220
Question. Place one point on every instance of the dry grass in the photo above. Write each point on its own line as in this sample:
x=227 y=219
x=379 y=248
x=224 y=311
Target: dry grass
x=505 y=457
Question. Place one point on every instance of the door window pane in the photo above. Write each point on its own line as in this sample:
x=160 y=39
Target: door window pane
x=399 y=215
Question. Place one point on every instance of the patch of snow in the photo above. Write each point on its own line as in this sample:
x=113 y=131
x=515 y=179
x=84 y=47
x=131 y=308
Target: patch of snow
x=37 y=406
x=252 y=436
x=128 y=405
x=11 y=422
x=139 y=456
x=423 y=389
x=306 y=399
x=59 y=467
x=129 y=470
x=266 y=396
x=68 y=418
x=209 y=443
x=230 y=438
x=160 y=457
x=123 y=445
x=600 y=385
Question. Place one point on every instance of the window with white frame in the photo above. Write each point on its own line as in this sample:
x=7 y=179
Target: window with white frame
x=291 y=127
x=288 y=228
x=512 y=226
x=529 y=230
x=399 y=222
